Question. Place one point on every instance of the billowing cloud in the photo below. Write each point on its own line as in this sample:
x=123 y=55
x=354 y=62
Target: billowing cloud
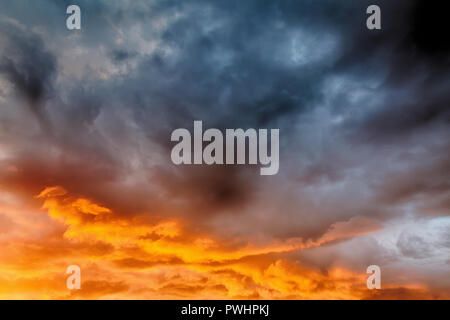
x=86 y=176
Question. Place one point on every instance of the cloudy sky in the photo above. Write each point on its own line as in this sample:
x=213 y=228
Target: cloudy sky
x=85 y=170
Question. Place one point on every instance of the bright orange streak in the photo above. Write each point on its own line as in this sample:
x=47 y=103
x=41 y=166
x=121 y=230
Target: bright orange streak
x=130 y=257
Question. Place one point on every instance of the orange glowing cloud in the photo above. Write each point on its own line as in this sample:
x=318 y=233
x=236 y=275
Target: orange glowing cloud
x=137 y=257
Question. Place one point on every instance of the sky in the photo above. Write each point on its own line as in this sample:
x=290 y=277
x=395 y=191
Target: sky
x=86 y=177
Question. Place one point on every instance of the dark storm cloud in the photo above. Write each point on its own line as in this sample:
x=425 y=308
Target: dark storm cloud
x=427 y=34
x=413 y=246
x=226 y=63
x=416 y=59
x=363 y=118
x=29 y=66
x=229 y=64
x=429 y=184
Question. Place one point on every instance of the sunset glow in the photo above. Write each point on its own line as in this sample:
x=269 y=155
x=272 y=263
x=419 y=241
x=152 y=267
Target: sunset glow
x=358 y=121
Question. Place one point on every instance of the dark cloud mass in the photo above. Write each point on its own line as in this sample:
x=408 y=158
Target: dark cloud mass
x=232 y=64
x=363 y=115
x=29 y=67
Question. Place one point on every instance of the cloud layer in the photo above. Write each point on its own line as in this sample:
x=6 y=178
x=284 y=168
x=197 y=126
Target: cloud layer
x=86 y=177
